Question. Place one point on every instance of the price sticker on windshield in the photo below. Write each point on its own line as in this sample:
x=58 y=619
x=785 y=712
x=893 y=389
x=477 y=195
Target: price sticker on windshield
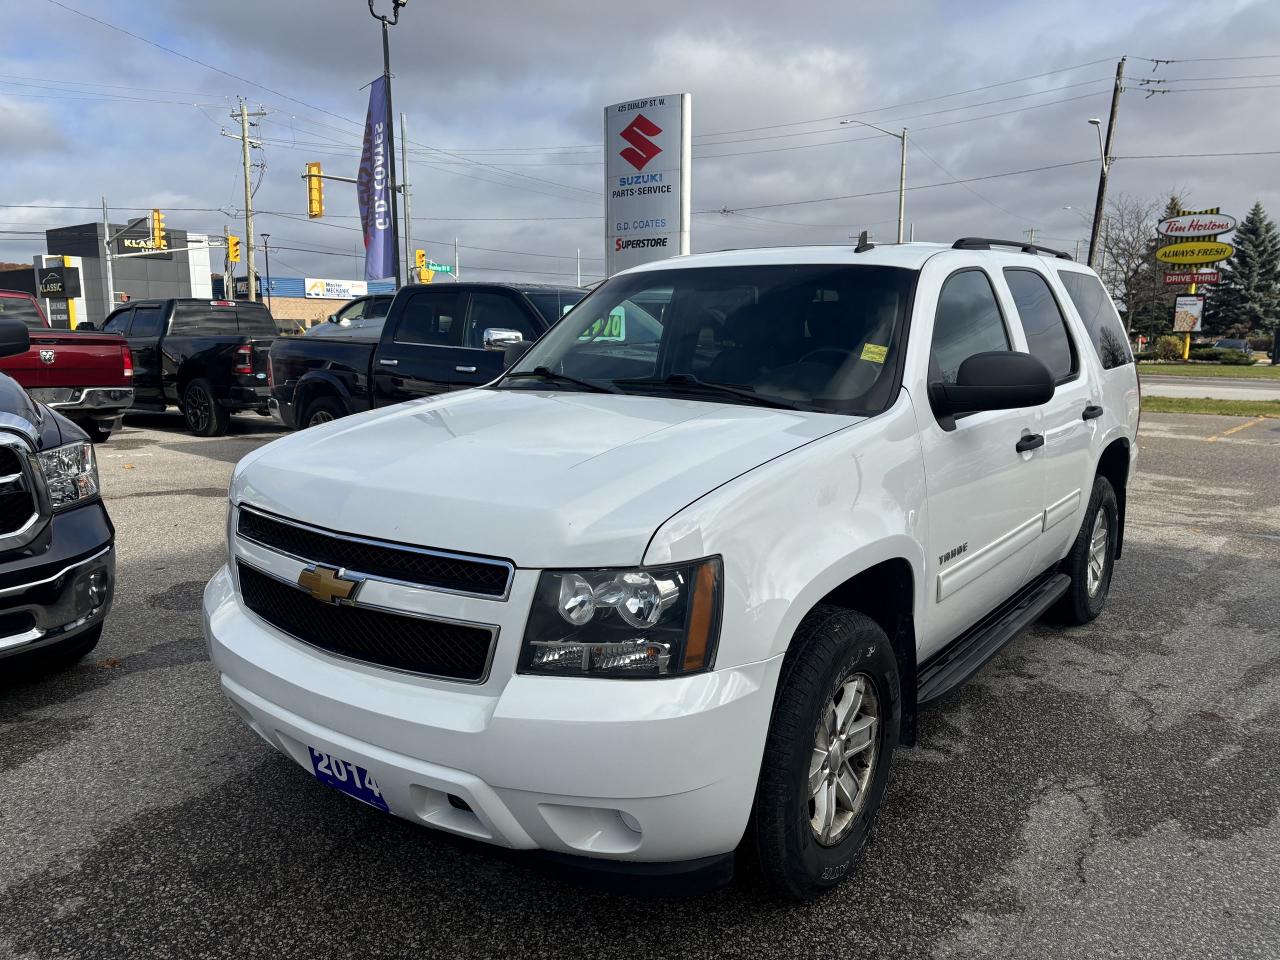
x=874 y=352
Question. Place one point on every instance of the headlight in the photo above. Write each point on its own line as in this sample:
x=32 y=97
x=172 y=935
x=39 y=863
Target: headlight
x=70 y=474
x=646 y=622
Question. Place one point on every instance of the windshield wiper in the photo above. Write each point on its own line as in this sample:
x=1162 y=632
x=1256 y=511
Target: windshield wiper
x=690 y=384
x=546 y=373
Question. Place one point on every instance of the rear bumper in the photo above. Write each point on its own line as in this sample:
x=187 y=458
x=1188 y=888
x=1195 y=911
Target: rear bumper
x=246 y=398
x=67 y=592
x=653 y=772
x=98 y=402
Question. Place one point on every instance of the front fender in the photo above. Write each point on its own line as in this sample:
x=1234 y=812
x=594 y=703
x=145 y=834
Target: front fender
x=797 y=527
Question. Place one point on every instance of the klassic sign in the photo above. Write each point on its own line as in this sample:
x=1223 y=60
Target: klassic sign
x=58 y=283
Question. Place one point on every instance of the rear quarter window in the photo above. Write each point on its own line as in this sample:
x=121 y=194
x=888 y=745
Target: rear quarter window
x=1100 y=318
x=202 y=320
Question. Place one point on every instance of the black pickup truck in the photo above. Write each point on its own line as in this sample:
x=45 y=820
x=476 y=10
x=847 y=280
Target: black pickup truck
x=206 y=357
x=436 y=338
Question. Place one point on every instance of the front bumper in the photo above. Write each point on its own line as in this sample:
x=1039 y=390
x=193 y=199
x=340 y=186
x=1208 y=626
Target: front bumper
x=62 y=592
x=653 y=771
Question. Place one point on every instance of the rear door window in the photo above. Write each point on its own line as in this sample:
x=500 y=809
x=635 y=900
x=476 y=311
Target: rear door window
x=147 y=322
x=118 y=322
x=1042 y=321
x=1100 y=318
x=20 y=308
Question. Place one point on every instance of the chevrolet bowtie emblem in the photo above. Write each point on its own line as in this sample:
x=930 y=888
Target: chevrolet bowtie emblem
x=327 y=584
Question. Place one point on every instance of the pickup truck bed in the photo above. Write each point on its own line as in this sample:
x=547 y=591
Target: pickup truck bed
x=85 y=376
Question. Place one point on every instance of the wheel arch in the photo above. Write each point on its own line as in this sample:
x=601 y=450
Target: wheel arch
x=314 y=385
x=1114 y=466
x=886 y=592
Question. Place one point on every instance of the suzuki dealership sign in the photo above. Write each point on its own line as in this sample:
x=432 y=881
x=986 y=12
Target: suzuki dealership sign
x=648 y=150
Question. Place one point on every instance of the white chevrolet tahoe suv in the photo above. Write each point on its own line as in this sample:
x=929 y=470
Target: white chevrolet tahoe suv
x=679 y=582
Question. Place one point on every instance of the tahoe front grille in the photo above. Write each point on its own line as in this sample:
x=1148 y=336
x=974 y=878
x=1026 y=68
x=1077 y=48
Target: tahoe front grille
x=434 y=648
x=17 y=502
x=440 y=570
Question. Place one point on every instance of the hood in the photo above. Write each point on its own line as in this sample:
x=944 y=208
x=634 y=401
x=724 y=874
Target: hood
x=542 y=478
x=42 y=427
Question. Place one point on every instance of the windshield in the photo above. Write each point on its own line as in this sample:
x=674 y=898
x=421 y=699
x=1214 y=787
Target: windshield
x=20 y=308
x=816 y=336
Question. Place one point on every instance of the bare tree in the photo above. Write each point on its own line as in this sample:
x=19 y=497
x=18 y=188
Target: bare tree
x=1127 y=273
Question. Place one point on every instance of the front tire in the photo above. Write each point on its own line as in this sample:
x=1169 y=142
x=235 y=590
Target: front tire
x=1092 y=558
x=827 y=757
x=204 y=415
x=98 y=434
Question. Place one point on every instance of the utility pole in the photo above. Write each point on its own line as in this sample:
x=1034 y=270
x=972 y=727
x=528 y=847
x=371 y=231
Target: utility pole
x=228 y=272
x=1077 y=256
x=1031 y=236
x=902 y=185
x=578 y=262
x=457 y=269
x=1100 y=205
x=108 y=276
x=245 y=143
x=408 y=198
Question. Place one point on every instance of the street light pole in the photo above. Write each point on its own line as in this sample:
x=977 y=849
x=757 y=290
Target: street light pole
x=902 y=172
x=396 y=6
x=1104 y=151
x=266 y=254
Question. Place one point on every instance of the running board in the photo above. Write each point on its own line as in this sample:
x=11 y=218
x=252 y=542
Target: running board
x=967 y=654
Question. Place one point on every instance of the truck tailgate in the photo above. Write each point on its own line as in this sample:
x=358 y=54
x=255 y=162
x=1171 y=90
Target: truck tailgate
x=70 y=360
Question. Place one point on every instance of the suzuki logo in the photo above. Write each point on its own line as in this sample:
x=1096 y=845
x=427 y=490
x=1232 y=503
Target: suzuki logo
x=46 y=356
x=327 y=584
x=642 y=149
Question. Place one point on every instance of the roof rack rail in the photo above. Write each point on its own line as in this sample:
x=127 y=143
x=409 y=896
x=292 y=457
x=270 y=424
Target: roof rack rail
x=986 y=243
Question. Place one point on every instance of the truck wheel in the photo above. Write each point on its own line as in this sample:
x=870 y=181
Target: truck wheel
x=98 y=434
x=827 y=756
x=1092 y=558
x=323 y=410
x=205 y=416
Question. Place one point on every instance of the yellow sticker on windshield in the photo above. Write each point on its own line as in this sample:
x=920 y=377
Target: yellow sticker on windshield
x=874 y=352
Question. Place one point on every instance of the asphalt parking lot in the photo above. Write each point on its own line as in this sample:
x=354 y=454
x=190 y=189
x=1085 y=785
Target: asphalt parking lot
x=1111 y=790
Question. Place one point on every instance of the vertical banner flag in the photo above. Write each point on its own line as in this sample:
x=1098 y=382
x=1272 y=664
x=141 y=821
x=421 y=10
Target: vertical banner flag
x=648 y=180
x=373 y=187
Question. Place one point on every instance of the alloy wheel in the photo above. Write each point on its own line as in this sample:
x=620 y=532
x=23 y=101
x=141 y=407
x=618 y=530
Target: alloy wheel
x=199 y=409
x=845 y=747
x=1098 y=542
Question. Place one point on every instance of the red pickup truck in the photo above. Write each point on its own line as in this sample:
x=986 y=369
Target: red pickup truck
x=87 y=377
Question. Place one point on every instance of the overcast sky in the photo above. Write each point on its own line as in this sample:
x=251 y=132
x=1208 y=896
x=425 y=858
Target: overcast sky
x=513 y=92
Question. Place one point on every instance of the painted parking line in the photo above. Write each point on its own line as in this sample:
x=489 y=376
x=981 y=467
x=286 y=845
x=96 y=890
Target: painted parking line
x=1237 y=428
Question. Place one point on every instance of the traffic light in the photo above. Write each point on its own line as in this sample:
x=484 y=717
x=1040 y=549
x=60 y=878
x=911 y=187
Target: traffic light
x=315 y=191
x=420 y=259
x=233 y=248
x=158 y=239
x=425 y=275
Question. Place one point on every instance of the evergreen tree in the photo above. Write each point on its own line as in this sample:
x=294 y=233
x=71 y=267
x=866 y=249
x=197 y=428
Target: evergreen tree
x=1249 y=295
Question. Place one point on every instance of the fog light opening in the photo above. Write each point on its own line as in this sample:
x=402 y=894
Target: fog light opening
x=459 y=804
x=98 y=585
x=630 y=822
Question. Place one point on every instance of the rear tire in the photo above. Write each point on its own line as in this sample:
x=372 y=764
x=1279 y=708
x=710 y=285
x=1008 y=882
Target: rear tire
x=323 y=410
x=97 y=434
x=1091 y=560
x=835 y=724
x=204 y=415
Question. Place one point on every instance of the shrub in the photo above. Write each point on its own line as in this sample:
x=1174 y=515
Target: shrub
x=1261 y=343
x=1144 y=356
x=1236 y=358
x=1211 y=354
x=1169 y=348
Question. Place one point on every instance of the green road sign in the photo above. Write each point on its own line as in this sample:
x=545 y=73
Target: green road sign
x=439 y=267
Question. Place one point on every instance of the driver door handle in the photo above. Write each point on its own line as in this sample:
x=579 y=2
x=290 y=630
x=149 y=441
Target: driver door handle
x=464 y=368
x=388 y=363
x=1092 y=412
x=1029 y=442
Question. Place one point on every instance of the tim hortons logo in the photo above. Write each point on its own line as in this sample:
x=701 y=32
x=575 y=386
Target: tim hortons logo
x=642 y=149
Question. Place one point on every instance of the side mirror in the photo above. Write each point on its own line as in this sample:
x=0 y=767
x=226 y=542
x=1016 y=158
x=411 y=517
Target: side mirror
x=14 y=338
x=331 y=318
x=499 y=338
x=514 y=352
x=999 y=380
x=86 y=325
